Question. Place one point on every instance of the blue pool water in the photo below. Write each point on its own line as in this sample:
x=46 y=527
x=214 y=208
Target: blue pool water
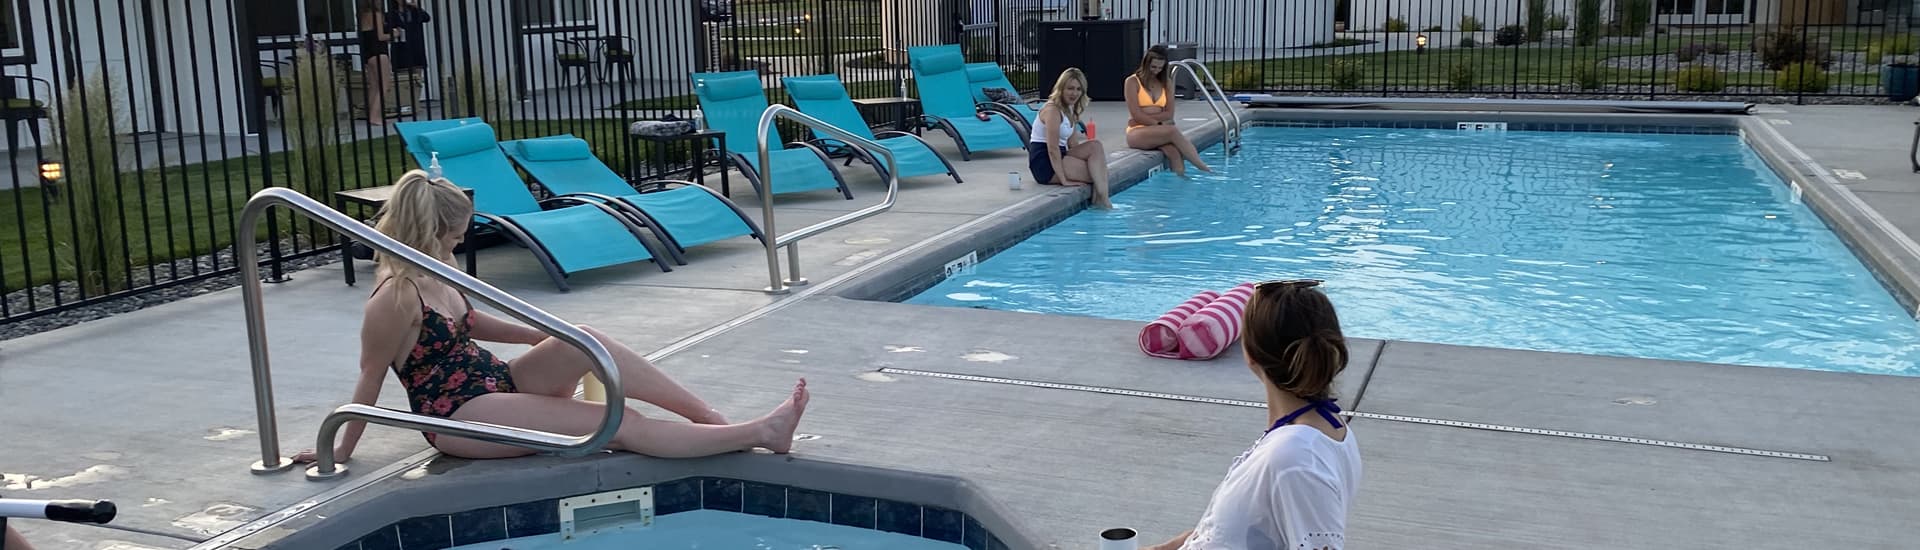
x=1646 y=245
x=716 y=530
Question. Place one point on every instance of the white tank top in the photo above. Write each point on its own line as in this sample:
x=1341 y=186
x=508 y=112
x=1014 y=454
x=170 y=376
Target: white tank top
x=1040 y=131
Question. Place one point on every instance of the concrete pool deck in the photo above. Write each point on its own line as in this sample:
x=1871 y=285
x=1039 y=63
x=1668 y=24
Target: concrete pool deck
x=163 y=396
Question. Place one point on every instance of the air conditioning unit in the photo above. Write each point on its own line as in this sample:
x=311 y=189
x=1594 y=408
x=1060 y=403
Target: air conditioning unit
x=1020 y=26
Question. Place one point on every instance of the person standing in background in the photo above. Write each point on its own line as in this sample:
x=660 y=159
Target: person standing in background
x=409 y=21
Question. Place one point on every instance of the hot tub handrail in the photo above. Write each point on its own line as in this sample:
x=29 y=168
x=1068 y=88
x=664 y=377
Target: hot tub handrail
x=792 y=240
x=324 y=466
x=1222 y=107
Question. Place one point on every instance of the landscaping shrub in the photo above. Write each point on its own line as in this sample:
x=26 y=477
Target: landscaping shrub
x=1510 y=35
x=1468 y=42
x=1536 y=20
x=1804 y=76
x=1470 y=23
x=1347 y=73
x=1699 y=78
x=1898 y=44
x=1460 y=75
x=1586 y=22
x=1686 y=53
x=1632 y=16
x=1589 y=75
x=1396 y=25
x=92 y=190
x=1244 y=78
x=1435 y=28
x=1557 y=22
x=1786 y=47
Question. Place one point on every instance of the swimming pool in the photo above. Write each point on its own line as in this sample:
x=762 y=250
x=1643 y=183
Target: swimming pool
x=701 y=529
x=1665 y=246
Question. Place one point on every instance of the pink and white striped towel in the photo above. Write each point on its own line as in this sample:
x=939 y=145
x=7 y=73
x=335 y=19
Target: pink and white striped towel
x=1208 y=332
x=1160 y=338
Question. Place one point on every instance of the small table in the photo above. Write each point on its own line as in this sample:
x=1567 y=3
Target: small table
x=698 y=169
x=900 y=106
x=377 y=197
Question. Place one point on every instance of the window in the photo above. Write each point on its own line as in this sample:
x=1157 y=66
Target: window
x=15 y=32
x=268 y=17
x=553 y=13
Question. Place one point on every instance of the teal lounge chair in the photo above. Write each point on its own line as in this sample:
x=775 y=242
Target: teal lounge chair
x=825 y=98
x=686 y=215
x=568 y=235
x=732 y=102
x=981 y=76
x=940 y=72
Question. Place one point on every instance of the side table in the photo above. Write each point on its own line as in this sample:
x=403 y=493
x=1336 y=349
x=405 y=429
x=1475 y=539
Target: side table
x=696 y=171
x=377 y=197
x=904 y=109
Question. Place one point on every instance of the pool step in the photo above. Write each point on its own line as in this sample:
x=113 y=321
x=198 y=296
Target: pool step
x=606 y=512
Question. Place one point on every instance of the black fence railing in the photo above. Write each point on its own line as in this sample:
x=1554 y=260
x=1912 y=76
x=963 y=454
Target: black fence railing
x=137 y=129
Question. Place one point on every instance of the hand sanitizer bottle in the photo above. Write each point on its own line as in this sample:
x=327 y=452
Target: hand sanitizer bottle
x=433 y=169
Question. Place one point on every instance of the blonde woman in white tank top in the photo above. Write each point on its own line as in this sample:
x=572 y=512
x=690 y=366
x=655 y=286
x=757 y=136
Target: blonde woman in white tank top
x=1057 y=152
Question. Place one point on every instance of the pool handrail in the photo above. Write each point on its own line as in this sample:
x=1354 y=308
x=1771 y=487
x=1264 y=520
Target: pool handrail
x=324 y=466
x=792 y=240
x=1222 y=107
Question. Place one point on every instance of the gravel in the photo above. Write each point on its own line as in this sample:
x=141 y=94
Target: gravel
x=43 y=295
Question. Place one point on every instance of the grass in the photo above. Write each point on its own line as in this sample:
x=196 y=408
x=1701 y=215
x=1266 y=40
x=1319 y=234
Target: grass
x=191 y=210
x=806 y=46
x=1498 y=67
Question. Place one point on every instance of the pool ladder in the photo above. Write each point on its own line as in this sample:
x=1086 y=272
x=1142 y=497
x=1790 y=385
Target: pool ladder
x=1222 y=105
x=325 y=466
x=772 y=242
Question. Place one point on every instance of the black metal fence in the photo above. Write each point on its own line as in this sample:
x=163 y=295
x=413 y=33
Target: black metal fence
x=132 y=185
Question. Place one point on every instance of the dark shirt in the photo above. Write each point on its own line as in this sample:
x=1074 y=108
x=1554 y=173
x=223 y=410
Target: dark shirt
x=412 y=51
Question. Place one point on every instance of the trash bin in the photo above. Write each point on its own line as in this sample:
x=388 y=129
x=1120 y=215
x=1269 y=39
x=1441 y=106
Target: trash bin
x=1183 y=83
x=1901 y=81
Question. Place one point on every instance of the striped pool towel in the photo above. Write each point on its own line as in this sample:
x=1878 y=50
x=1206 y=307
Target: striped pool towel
x=1207 y=332
x=1160 y=338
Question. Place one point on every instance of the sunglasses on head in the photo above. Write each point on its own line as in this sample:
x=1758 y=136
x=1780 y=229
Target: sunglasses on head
x=1287 y=283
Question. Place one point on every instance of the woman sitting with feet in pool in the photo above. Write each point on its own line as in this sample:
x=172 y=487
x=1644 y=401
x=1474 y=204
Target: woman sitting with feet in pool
x=1057 y=152
x=1150 y=124
x=1293 y=488
x=425 y=331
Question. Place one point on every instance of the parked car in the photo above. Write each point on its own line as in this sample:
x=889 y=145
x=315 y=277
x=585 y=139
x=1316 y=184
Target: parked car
x=716 y=11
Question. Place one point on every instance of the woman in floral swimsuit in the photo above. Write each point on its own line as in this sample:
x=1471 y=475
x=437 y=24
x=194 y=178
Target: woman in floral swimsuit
x=425 y=331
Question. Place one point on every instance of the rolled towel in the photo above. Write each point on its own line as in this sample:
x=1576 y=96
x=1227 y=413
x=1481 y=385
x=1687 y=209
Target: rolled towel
x=1207 y=332
x=660 y=127
x=1160 y=338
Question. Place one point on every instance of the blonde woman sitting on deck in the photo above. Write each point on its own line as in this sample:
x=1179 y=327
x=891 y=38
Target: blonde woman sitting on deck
x=426 y=332
x=1150 y=124
x=1057 y=152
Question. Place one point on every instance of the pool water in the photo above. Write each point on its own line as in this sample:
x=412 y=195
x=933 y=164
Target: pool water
x=1666 y=246
x=717 y=530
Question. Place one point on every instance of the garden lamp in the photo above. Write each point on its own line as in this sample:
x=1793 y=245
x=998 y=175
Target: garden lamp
x=51 y=172
x=1420 y=43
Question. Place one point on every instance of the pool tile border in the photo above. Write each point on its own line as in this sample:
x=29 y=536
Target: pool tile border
x=541 y=517
x=1516 y=126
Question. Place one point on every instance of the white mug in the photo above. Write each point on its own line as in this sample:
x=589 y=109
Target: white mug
x=1013 y=180
x=1119 y=538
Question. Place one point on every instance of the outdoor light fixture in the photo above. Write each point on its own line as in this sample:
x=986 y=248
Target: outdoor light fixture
x=51 y=171
x=1420 y=43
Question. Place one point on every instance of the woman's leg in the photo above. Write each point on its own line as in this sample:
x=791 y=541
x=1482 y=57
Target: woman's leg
x=14 y=541
x=1174 y=163
x=1095 y=156
x=377 y=81
x=554 y=368
x=1158 y=137
x=639 y=434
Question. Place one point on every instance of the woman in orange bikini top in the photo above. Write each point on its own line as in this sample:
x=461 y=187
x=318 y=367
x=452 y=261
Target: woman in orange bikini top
x=1150 y=107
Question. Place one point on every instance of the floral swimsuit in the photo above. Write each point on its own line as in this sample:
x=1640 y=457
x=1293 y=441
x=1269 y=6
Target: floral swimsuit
x=446 y=368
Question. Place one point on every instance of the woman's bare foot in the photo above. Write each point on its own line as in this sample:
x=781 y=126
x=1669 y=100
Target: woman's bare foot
x=785 y=419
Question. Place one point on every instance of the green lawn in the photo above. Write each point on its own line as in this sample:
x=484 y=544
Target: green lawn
x=1496 y=67
x=808 y=46
x=190 y=210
